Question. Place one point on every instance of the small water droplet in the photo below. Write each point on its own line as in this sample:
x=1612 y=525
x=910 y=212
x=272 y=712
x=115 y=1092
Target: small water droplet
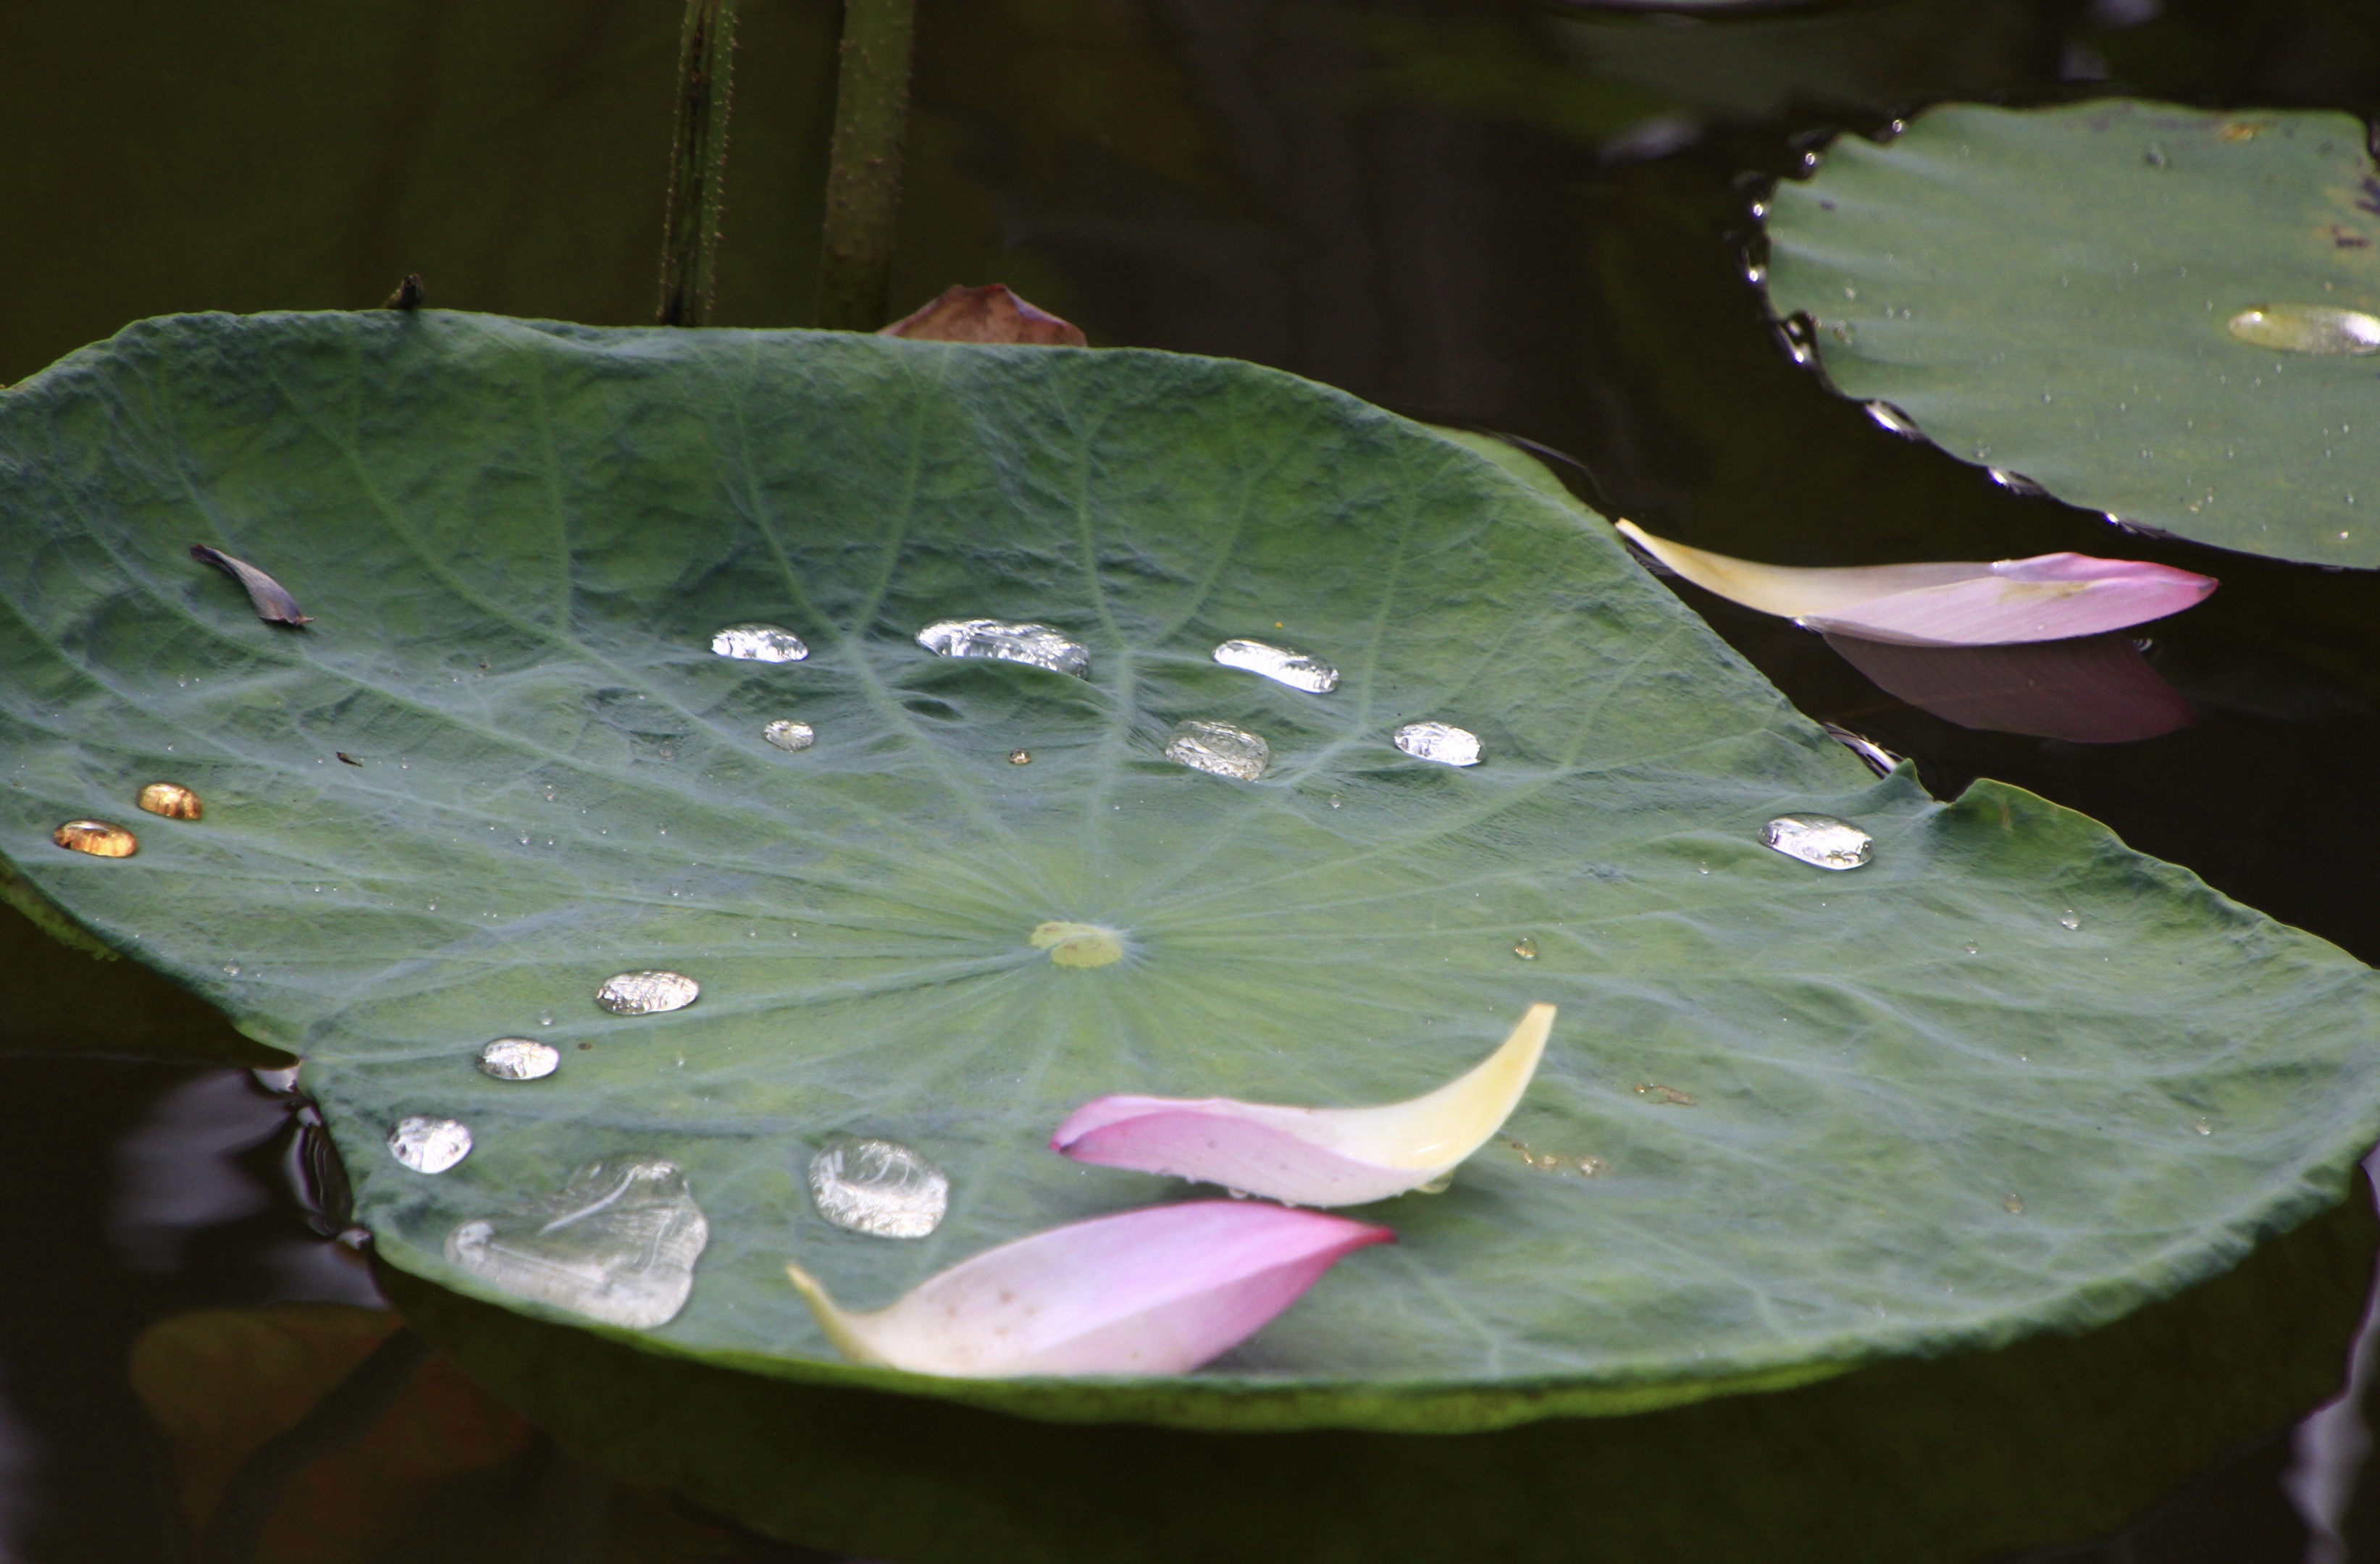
x=1653 y=1091
x=1295 y=669
x=519 y=1059
x=1890 y=418
x=429 y=1146
x=97 y=838
x=172 y=800
x=790 y=736
x=1020 y=757
x=231 y=969
x=1078 y=944
x=1971 y=948
x=1437 y=1185
x=1237 y=1193
x=2204 y=1126
x=1821 y=840
x=1219 y=749
x=1037 y=645
x=647 y=993
x=2307 y=328
x=1336 y=801
x=545 y=1018
x=617 y=1243
x=1525 y=948
x=878 y=1187
x=759 y=643
x=1702 y=868
x=2014 y=1203
x=2068 y=919
x=1447 y=745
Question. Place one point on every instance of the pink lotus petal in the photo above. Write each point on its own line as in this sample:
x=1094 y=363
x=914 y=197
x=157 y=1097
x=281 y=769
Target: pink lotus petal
x=2048 y=598
x=1312 y=1155
x=1156 y=1290
x=2096 y=690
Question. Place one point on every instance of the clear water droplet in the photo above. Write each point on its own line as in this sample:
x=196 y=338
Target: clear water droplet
x=878 y=1187
x=2307 y=328
x=760 y=643
x=1821 y=840
x=1295 y=669
x=1653 y=1091
x=2015 y=1203
x=231 y=969
x=617 y=1243
x=428 y=1144
x=1442 y=742
x=1020 y=757
x=1437 y=1185
x=1036 y=643
x=1218 y=748
x=1237 y=1193
x=519 y=1059
x=790 y=736
x=172 y=800
x=1337 y=802
x=647 y=993
x=2204 y=1126
x=1525 y=948
x=545 y=1018
x=97 y=838
x=1971 y=948
x=1889 y=417
x=2068 y=919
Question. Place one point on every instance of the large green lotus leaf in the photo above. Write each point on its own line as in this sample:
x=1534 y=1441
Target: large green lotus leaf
x=2008 y=1077
x=2049 y=292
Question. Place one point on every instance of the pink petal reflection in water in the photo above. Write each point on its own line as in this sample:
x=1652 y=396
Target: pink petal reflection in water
x=2092 y=689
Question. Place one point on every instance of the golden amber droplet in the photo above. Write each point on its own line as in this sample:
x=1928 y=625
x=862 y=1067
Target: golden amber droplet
x=172 y=800
x=97 y=838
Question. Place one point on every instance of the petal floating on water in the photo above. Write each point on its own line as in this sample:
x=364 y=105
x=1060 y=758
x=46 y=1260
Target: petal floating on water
x=269 y=598
x=1156 y=1290
x=1312 y=1155
x=2048 y=598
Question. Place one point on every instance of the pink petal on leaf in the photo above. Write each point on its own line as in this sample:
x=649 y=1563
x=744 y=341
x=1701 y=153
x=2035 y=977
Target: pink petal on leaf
x=1312 y=1155
x=1156 y=1290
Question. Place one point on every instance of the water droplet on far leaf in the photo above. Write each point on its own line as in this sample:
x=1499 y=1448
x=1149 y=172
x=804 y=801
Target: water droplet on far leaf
x=790 y=736
x=97 y=838
x=172 y=800
x=2307 y=328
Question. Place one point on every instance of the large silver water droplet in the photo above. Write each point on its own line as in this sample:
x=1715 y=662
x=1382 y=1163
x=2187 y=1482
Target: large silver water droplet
x=1890 y=418
x=1822 y=840
x=428 y=1144
x=647 y=993
x=1442 y=742
x=617 y=1243
x=1282 y=666
x=878 y=1187
x=790 y=736
x=1218 y=747
x=2307 y=328
x=760 y=643
x=519 y=1059
x=1036 y=643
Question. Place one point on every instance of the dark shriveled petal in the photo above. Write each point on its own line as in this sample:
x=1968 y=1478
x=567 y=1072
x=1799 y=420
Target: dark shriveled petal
x=273 y=603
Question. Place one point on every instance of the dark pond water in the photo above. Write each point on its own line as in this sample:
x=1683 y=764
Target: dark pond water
x=1526 y=219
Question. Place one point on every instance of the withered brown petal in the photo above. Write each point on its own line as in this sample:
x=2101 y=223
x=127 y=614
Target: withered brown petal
x=990 y=313
x=273 y=603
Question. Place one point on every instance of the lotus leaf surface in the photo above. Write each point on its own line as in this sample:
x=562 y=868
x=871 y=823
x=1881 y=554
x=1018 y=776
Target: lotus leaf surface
x=2050 y=293
x=2008 y=1077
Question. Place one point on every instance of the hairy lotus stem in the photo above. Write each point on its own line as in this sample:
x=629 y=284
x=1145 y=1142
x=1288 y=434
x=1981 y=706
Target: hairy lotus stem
x=862 y=180
x=706 y=52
